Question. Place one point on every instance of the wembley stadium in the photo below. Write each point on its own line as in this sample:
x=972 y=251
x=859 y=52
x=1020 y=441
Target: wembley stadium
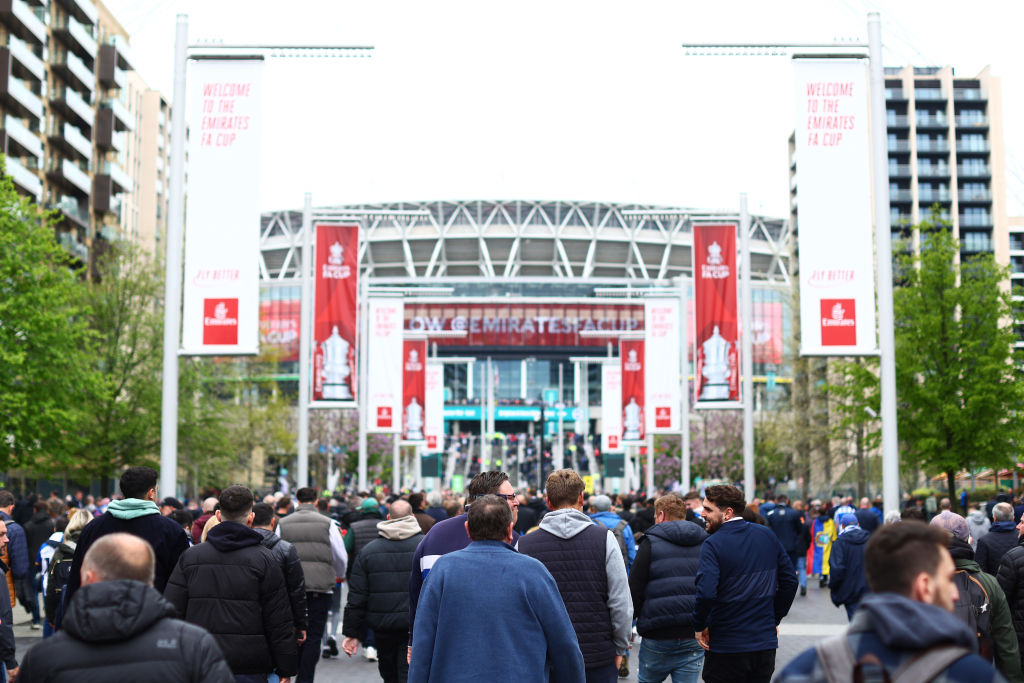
x=523 y=279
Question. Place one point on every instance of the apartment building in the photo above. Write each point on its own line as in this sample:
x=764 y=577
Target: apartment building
x=147 y=161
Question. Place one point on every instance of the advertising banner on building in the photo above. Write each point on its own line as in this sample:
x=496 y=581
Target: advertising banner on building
x=335 y=319
x=833 y=154
x=631 y=356
x=433 y=421
x=716 y=332
x=220 y=312
x=414 y=389
x=611 y=408
x=385 y=365
x=663 y=380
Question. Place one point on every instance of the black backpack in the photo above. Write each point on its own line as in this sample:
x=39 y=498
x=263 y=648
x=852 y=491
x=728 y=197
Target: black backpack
x=974 y=609
x=57 y=576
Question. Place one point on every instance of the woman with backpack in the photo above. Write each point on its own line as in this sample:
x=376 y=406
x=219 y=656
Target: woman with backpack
x=60 y=565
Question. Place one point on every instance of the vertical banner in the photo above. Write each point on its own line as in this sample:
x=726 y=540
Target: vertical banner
x=611 y=408
x=833 y=152
x=335 y=320
x=220 y=312
x=631 y=355
x=662 y=380
x=433 y=380
x=414 y=394
x=716 y=332
x=385 y=367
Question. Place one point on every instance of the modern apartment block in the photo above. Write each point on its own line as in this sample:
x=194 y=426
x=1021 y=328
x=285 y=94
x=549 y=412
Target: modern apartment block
x=64 y=68
x=1016 y=238
x=147 y=151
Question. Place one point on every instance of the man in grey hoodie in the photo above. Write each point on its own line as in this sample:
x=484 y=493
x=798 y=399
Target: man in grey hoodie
x=977 y=524
x=585 y=560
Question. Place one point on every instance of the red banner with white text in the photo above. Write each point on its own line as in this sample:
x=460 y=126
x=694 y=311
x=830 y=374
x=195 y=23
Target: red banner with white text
x=631 y=356
x=716 y=338
x=414 y=364
x=335 y=301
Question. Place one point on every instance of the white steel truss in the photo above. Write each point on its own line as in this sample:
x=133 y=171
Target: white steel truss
x=523 y=239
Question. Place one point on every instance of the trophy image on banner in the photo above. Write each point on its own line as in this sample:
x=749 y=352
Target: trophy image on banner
x=414 y=420
x=633 y=424
x=716 y=369
x=336 y=368
x=414 y=390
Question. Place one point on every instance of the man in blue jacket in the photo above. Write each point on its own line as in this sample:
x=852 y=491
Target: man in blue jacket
x=745 y=586
x=847 y=582
x=486 y=601
x=17 y=547
x=788 y=525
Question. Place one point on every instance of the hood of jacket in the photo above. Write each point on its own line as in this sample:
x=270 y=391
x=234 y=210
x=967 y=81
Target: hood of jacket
x=856 y=535
x=399 y=529
x=905 y=624
x=114 y=610
x=961 y=550
x=228 y=536
x=268 y=538
x=132 y=508
x=566 y=522
x=39 y=518
x=678 y=532
x=607 y=516
x=1003 y=527
x=976 y=517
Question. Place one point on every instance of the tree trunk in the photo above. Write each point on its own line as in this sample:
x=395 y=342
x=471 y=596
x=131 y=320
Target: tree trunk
x=862 y=475
x=951 y=483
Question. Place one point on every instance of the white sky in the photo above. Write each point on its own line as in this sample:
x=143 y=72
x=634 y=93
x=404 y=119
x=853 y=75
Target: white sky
x=557 y=99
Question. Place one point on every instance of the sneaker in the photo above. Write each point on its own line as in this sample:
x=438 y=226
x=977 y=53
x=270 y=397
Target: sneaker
x=36 y=627
x=326 y=654
x=803 y=590
x=624 y=667
x=371 y=654
x=332 y=646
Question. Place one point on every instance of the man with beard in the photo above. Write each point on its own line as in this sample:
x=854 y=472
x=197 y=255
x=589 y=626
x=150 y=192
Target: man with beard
x=745 y=586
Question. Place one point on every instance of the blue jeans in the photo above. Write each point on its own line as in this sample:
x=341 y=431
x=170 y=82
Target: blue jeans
x=851 y=607
x=681 y=658
x=801 y=570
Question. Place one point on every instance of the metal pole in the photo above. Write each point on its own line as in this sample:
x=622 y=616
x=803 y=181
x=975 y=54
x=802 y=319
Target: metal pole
x=747 y=360
x=396 y=465
x=364 y=363
x=684 y=365
x=649 y=478
x=883 y=259
x=172 y=278
x=484 y=395
x=305 y=339
x=559 y=461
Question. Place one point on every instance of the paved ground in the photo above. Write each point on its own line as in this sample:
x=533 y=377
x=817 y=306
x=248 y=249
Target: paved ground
x=812 y=618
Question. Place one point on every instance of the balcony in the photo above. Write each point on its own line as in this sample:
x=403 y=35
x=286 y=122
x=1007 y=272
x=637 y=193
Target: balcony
x=933 y=196
x=969 y=94
x=928 y=94
x=972 y=243
x=70 y=140
x=73 y=246
x=79 y=38
x=110 y=74
x=74 y=71
x=19 y=141
x=933 y=146
x=900 y=196
x=898 y=219
x=122 y=181
x=1017 y=241
x=83 y=10
x=26 y=63
x=932 y=121
x=899 y=171
x=123 y=54
x=69 y=175
x=24 y=179
x=122 y=117
x=973 y=171
x=974 y=195
x=897 y=121
x=22 y=21
x=925 y=212
x=974 y=121
x=899 y=145
x=74 y=107
x=975 y=220
x=932 y=171
x=895 y=95
x=73 y=210
x=972 y=146
x=23 y=102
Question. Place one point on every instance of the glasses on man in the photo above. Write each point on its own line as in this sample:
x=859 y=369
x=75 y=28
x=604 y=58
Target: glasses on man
x=509 y=497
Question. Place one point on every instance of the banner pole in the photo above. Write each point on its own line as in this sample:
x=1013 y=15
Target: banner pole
x=305 y=340
x=747 y=360
x=364 y=353
x=684 y=366
x=172 y=278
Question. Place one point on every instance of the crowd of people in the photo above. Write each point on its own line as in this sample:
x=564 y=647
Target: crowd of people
x=500 y=585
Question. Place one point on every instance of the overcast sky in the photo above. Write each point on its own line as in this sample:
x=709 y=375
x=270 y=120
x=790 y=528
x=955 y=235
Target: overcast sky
x=557 y=99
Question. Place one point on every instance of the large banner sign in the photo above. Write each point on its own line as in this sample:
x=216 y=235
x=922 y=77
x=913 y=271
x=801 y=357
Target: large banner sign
x=716 y=333
x=611 y=408
x=385 y=361
x=837 y=285
x=220 y=313
x=414 y=389
x=335 y=305
x=631 y=355
x=433 y=422
x=663 y=379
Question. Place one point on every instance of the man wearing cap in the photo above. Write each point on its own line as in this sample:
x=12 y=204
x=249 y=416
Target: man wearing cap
x=846 y=564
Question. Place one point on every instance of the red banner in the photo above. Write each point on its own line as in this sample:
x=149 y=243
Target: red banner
x=414 y=389
x=716 y=342
x=279 y=328
x=336 y=274
x=631 y=354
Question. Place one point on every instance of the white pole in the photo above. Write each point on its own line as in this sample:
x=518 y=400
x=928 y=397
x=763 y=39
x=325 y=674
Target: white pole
x=364 y=363
x=559 y=460
x=172 y=278
x=305 y=339
x=485 y=394
x=747 y=360
x=883 y=258
x=649 y=483
x=684 y=365
x=396 y=465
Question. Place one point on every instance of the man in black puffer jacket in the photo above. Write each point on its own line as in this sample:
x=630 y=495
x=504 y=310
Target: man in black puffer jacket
x=663 y=585
x=233 y=587
x=118 y=628
x=1011 y=579
x=263 y=523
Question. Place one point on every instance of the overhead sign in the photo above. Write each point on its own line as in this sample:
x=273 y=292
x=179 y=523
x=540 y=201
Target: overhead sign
x=335 y=308
x=833 y=153
x=634 y=424
x=220 y=311
x=716 y=339
x=663 y=379
x=611 y=408
x=384 y=358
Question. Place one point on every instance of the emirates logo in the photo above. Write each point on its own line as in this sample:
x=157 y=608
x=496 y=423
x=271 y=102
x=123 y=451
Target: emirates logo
x=715 y=267
x=337 y=256
x=714 y=254
x=838 y=312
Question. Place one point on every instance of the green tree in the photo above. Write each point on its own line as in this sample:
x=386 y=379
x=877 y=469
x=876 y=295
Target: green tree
x=856 y=402
x=45 y=370
x=959 y=401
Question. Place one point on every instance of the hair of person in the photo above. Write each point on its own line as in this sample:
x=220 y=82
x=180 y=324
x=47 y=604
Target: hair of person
x=726 y=496
x=563 y=488
x=136 y=481
x=434 y=499
x=451 y=507
x=1002 y=512
x=892 y=517
x=782 y=499
x=322 y=504
x=262 y=514
x=60 y=525
x=486 y=483
x=284 y=504
x=691 y=495
x=56 y=508
x=753 y=516
x=182 y=517
x=944 y=504
x=400 y=508
x=416 y=501
x=488 y=518
x=210 y=523
x=41 y=506
x=307 y=494
x=235 y=503
x=120 y=556
x=953 y=523
x=601 y=503
x=915 y=514
x=78 y=520
x=209 y=504
x=897 y=553
x=672 y=505
x=6 y=498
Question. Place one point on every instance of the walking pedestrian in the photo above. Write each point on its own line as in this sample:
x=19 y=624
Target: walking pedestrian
x=847 y=583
